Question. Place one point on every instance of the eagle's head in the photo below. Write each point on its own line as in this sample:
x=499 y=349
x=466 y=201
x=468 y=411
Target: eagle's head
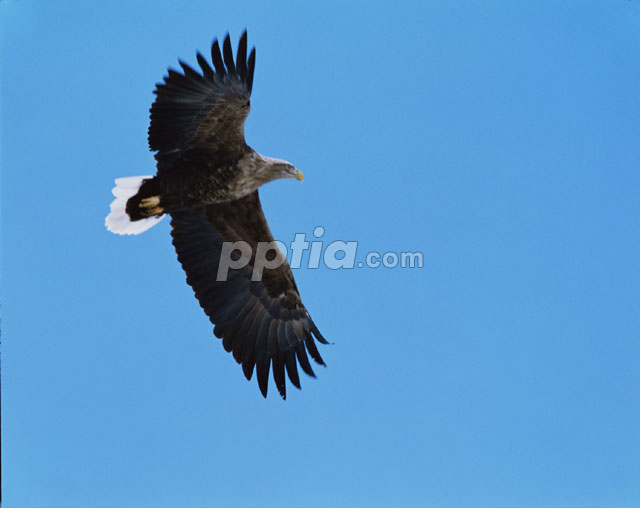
x=254 y=170
x=274 y=169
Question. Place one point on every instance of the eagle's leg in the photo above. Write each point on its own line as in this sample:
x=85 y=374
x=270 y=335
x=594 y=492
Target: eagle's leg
x=150 y=206
x=147 y=202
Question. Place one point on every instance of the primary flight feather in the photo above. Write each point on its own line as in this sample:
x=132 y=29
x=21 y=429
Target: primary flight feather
x=207 y=180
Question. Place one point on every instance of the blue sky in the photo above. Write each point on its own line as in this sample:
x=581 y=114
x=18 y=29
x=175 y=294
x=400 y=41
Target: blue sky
x=501 y=139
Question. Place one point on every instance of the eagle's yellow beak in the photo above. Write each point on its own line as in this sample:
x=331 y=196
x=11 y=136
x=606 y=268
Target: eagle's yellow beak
x=299 y=175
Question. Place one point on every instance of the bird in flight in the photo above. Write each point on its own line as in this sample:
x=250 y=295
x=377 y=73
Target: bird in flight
x=207 y=181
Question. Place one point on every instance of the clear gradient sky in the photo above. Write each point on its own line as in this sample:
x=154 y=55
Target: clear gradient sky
x=501 y=139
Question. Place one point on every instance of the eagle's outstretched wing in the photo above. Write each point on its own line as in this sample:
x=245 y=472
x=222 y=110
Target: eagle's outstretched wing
x=204 y=111
x=262 y=322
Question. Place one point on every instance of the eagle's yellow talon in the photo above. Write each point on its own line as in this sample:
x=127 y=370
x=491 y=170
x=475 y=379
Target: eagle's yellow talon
x=151 y=202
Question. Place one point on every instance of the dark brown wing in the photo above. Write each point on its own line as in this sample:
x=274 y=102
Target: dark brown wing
x=262 y=322
x=204 y=111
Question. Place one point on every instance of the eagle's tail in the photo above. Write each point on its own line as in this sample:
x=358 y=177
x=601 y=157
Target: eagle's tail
x=119 y=221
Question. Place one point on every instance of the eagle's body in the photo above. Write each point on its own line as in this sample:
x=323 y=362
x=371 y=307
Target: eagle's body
x=197 y=180
x=207 y=180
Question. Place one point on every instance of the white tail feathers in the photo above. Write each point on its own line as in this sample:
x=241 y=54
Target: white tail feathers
x=118 y=221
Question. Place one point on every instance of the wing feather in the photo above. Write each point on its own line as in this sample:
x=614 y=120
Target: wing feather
x=216 y=58
x=191 y=74
x=242 y=332
x=281 y=333
x=292 y=368
x=241 y=58
x=303 y=359
x=263 y=365
x=207 y=71
x=253 y=356
x=251 y=66
x=313 y=350
x=249 y=350
x=278 y=374
x=227 y=53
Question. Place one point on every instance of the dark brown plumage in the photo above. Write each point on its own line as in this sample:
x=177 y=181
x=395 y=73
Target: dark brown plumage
x=207 y=180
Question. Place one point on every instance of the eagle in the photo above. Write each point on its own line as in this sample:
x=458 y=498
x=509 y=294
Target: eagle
x=207 y=181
